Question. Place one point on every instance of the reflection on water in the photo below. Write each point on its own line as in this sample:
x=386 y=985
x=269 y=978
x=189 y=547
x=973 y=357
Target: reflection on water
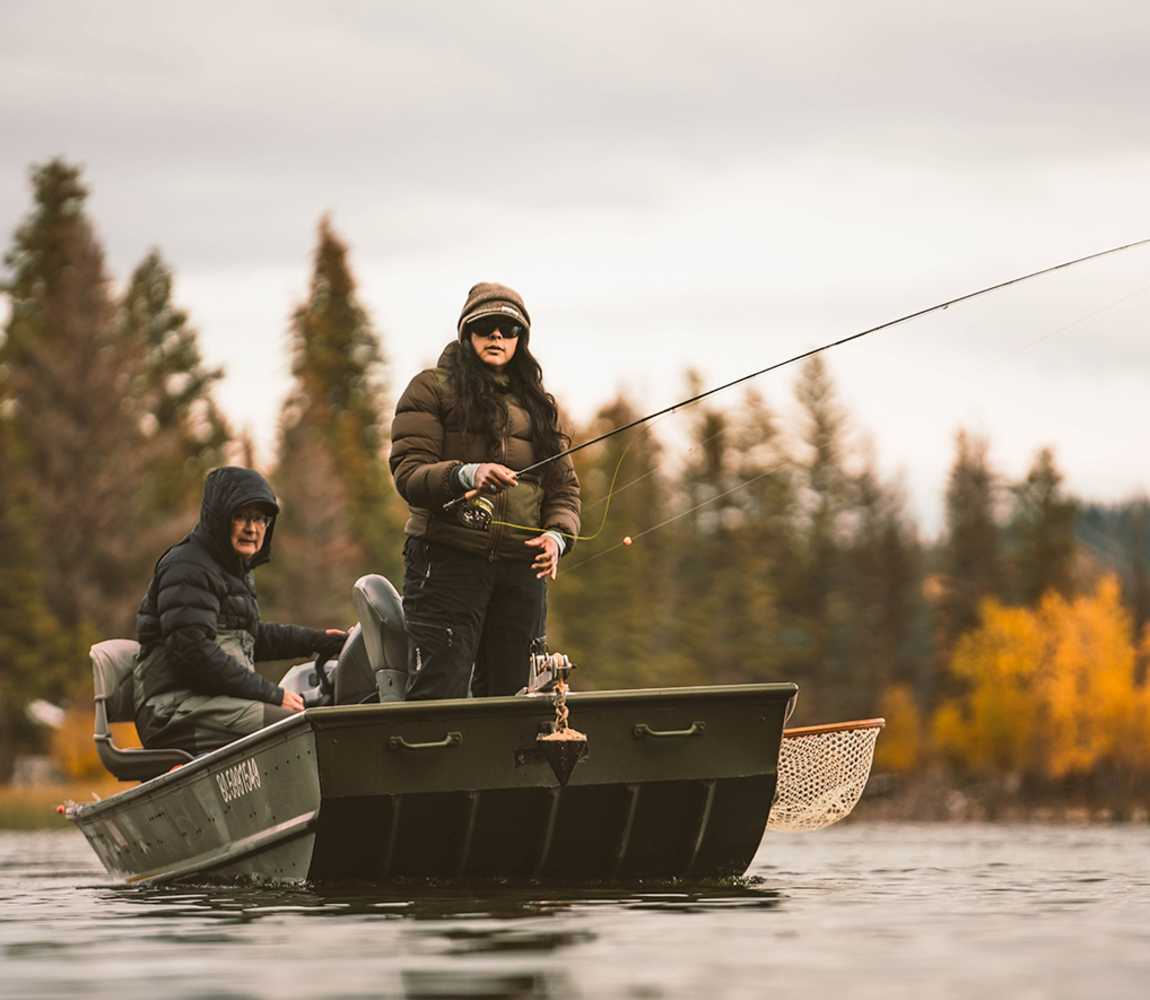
x=444 y=984
x=416 y=901
x=857 y=911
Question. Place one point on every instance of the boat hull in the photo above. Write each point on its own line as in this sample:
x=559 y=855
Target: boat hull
x=677 y=783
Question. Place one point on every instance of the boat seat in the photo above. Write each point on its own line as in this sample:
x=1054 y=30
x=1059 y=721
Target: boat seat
x=112 y=664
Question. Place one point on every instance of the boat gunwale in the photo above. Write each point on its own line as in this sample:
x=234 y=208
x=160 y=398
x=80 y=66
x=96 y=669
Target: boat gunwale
x=529 y=704
x=333 y=716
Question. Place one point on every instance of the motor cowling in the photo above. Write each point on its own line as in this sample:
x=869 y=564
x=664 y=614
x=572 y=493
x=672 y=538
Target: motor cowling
x=306 y=680
x=374 y=662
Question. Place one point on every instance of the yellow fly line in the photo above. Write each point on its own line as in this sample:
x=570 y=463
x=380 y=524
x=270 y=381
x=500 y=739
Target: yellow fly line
x=606 y=509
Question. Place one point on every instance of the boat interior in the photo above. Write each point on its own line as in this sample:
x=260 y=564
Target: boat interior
x=372 y=667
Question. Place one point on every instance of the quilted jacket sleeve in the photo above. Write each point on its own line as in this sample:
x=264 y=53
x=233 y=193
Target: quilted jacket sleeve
x=561 y=502
x=189 y=609
x=282 y=642
x=422 y=476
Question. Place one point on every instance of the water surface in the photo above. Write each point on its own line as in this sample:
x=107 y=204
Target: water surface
x=880 y=911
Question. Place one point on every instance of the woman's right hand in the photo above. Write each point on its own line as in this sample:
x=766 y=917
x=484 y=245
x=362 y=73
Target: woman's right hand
x=491 y=477
x=292 y=702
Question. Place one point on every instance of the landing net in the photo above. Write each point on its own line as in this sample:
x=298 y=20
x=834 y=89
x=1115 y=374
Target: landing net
x=822 y=773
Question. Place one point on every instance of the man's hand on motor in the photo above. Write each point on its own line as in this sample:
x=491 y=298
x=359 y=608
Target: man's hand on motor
x=546 y=562
x=491 y=477
x=331 y=645
x=292 y=702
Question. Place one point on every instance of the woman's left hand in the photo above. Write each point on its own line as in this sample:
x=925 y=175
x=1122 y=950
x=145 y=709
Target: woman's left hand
x=546 y=562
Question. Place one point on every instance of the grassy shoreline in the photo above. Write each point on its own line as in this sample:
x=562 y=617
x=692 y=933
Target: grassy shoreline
x=933 y=797
x=34 y=808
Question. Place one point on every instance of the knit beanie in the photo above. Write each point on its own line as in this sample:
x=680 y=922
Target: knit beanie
x=491 y=299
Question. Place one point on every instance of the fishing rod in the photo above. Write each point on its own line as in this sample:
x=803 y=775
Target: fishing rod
x=472 y=494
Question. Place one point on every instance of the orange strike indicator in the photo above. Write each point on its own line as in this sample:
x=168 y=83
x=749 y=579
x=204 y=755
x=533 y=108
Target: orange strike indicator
x=626 y=539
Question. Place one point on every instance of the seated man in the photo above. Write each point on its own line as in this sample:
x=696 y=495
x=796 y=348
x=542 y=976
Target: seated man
x=199 y=630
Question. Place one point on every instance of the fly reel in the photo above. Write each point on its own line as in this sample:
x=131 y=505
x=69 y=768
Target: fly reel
x=477 y=513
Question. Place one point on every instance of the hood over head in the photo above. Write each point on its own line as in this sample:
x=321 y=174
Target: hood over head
x=226 y=490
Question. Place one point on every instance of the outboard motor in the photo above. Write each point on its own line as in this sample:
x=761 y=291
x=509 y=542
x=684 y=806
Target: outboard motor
x=312 y=680
x=374 y=660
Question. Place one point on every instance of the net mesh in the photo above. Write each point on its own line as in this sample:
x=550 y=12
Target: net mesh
x=822 y=773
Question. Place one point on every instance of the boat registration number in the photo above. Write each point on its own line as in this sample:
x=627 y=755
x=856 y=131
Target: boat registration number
x=238 y=780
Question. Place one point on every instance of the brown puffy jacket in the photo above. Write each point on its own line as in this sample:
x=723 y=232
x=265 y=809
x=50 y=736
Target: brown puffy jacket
x=428 y=444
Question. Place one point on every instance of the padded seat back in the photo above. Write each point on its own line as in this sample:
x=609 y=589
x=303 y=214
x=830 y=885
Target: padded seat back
x=113 y=661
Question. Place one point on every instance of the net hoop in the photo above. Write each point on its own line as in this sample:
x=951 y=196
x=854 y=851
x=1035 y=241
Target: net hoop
x=822 y=773
x=833 y=727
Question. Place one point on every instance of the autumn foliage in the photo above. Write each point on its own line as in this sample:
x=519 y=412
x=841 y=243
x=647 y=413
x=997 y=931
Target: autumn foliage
x=764 y=543
x=1050 y=691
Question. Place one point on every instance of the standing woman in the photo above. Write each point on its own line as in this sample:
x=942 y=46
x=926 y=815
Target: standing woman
x=474 y=594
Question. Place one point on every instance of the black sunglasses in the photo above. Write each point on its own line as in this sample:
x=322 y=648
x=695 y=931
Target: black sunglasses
x=485 y=326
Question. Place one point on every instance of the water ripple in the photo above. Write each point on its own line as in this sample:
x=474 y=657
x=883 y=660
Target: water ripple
x=856 y=911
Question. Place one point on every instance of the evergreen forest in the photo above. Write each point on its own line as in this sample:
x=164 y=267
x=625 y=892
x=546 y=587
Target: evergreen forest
x=1012 y=649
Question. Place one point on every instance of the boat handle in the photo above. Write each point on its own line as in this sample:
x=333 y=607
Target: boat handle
x=642 y=729
x=399 y=743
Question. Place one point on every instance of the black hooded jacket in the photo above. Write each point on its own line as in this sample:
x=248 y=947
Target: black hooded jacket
x=202 y=585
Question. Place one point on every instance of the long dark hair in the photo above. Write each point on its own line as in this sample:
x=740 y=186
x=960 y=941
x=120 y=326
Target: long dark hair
x=478 y=395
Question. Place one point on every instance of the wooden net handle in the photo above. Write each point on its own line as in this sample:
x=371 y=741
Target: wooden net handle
x=834 y=727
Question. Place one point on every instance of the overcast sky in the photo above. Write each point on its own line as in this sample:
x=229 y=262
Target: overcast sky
x=716 y=185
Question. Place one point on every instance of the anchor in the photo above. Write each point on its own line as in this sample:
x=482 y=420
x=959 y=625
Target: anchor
x=564 y=747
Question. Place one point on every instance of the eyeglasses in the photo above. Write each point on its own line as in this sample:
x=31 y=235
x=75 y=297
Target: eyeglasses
x=256 y=518
x=485 y=326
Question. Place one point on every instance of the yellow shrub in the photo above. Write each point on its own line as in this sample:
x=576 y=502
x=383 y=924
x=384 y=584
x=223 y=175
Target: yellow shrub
x=900 y=745
x=1051 y=690
x=1088 y=678
x=949 y=732
x=73 y=749
x=992 y=729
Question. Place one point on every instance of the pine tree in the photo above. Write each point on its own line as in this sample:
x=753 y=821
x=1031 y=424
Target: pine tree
x=883 y=585
x=1042 y=532
x=67 y=378
x=703 y=543
x=609 y=608
x=762 y=462
x=971 y=556
x=35 y=652
x=341 y=516
x=816 y=598
x=1116 y=538
x=764 y=544
x=184 y=433
x=1138 y=591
